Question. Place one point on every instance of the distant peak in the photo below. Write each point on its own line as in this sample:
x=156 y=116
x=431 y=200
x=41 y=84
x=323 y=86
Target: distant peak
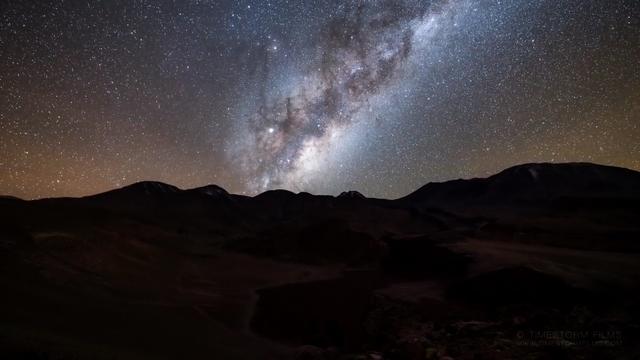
x=275 y=193
x=211 y=190
x=534 y=183
x=148 y=188
x=351 y=195
x=577 y=169
x=11 y=198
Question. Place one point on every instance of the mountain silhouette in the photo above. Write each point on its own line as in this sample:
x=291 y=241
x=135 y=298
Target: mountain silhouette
x=533 y=184
x=153 y=271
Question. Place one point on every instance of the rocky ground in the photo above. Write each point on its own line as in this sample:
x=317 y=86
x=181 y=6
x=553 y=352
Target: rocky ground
x=538 y=262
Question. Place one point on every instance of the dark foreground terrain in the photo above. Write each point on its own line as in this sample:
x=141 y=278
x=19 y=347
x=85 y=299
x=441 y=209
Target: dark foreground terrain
x=541 y=261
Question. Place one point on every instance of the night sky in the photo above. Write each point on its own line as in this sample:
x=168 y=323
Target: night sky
x=320 y=96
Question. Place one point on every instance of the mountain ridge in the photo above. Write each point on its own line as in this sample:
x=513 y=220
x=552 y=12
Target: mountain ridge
x=185 y=269
x=530 y=170
x=531 y=182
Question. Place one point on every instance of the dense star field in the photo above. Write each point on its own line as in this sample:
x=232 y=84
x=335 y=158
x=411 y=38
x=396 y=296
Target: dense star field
x=319 y=96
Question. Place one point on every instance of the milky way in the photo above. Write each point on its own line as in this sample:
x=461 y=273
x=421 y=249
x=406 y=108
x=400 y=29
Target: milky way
x=321 y=96
x=363 y=48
